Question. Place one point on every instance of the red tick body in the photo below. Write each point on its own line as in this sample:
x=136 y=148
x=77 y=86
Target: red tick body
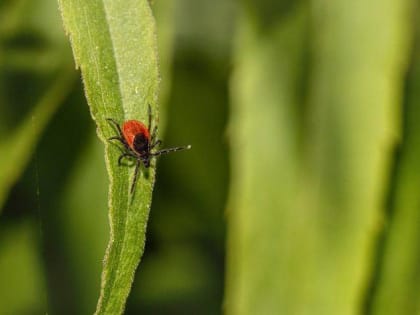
x=139 y=144
x=132 y=129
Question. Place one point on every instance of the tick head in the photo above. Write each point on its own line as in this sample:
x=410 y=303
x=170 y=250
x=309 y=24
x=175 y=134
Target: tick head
x=141 y=144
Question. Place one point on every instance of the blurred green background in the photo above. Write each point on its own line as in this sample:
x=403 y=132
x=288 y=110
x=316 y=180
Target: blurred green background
x=301 y=194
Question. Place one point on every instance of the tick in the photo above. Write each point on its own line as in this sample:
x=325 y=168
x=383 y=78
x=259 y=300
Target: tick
x=139 y=144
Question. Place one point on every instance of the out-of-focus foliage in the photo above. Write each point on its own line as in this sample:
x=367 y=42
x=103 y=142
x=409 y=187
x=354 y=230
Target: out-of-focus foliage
x=44 y=84
x=163 y=11
x=266 y=214
x=321 y=99
x=20 y=265
x=398 y=273
x=18 y=146
x=311 y=156
x=83 y=220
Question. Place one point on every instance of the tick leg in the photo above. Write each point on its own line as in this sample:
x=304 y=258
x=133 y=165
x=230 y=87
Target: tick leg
x=166 y=151
x=155 y=144
x=136 y=175
x=121 y=137
x=122 y=141
x=124 y=155
x=116 y=125
x=154 y=134
x=117 y=138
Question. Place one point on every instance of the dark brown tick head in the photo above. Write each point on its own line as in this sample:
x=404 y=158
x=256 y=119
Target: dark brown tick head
x=141 y=144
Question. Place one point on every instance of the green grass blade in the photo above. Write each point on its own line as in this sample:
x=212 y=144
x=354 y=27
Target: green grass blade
x=356 y=103
x=263 y=216
x=398 y=286
x=308 y=182
x=16 y=150
x=114 y=44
